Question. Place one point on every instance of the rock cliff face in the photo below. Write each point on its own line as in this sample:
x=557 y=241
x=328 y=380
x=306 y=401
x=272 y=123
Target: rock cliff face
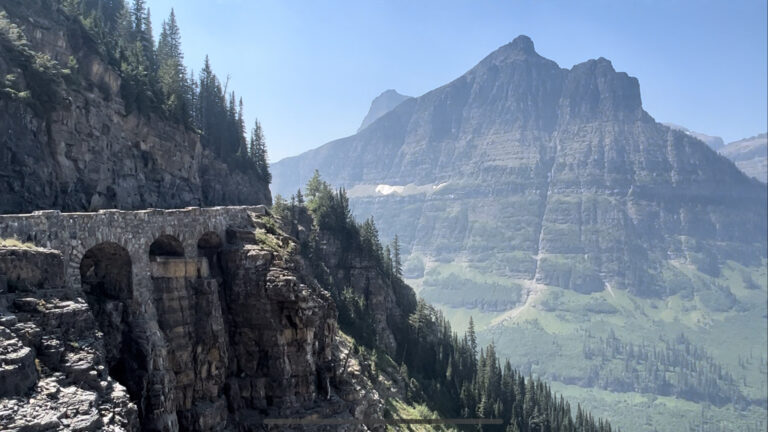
x=248 y=334
x=54 y=374
x=343 y=265
x=533 y=172
x=67 y=142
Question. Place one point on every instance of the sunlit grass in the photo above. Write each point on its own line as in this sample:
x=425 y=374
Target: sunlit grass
x=14 y=243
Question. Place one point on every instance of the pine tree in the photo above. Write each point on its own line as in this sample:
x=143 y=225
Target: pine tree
x=472 y=336
x=139 y=18
x=208 y=107
x=397 y=259
x=235 y=146
x=171 y=72
x=257 y=151
x=388 y=264
x=217 y=120
x=369 y=234
x=147 y=41
x=241 y=127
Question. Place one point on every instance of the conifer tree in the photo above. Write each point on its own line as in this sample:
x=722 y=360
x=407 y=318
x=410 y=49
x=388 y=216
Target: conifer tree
x=314 y=185
x=398 y=263
x=148 y=43
x=241 y=125
x=257 y=151
x=369 y=234
x=471 y=336
x=138 y=18
x=172 y=74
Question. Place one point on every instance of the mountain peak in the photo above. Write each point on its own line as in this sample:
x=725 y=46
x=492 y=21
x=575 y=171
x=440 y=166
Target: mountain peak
x=382 y=104
x=521 y=48
x=390 y=92
x=522 y=43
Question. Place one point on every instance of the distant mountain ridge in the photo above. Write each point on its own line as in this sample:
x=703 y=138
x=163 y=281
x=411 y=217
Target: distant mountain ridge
x=382 y=104
x=715 y=142
x=749 y=154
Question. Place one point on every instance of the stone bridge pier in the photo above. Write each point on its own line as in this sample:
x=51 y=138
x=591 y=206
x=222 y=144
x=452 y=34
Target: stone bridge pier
x=143 y=271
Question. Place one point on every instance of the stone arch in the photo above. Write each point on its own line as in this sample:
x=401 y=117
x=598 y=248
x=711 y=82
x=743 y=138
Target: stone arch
x=106 y=270
x=75 y=252
x=209 y=246
x=106 y=277
x=166 y=246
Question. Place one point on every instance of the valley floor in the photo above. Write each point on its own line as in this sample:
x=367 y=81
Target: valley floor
x=559 y=334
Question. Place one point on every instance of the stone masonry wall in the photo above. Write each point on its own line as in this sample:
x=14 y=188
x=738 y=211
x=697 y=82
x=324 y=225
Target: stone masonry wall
x=73 y=234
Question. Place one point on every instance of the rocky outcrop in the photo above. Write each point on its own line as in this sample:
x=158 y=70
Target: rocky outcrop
x=54 y=374
x=68 y=142
x=528 y=171
x=236 y=334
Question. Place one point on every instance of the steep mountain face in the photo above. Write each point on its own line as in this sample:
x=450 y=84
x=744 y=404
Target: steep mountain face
x=382 y=104
x=68 y=142
x=750 y=155
x=544 y=174
x=714 y=142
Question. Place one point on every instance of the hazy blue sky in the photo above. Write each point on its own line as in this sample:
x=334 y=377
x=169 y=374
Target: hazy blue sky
x=309 y=69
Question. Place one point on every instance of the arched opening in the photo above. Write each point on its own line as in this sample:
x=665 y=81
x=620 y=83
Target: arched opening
x=106 y=279
x=166 y=246
x=208 y=246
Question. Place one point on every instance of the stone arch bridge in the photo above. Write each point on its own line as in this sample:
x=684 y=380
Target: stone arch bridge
x=152 y=280
x=136 y=232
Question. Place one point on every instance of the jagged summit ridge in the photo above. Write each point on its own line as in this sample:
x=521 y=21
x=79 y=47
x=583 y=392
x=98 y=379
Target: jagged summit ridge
x=595 y=85
x=511 y=90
